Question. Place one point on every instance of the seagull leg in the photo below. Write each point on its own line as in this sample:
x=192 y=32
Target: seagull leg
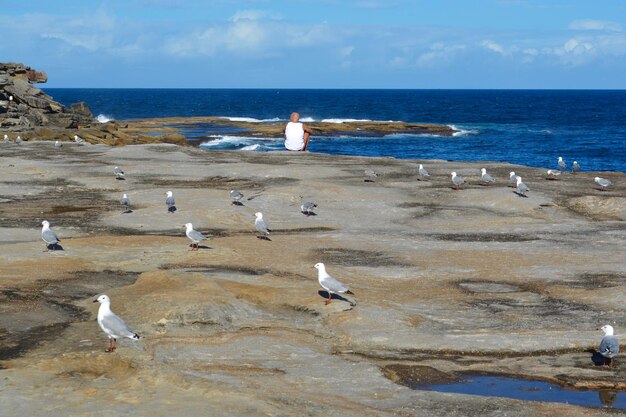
x=110 y=349
x=330 y=295
x=46 y=248
x=114 y=344
x=612 y=364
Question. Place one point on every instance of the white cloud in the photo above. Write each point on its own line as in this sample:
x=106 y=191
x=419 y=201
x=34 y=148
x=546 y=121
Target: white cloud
x=595 y=25
x=493 y=46
x=251 y=15
x=439 y=55
x=247 y=37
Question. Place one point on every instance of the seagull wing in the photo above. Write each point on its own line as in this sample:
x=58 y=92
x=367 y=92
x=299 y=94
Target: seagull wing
x=170 y=201
x=196 y=236
x=609 y=346
x=49 y=236
x=116 y=327
x=331 y=284
x=261 y=226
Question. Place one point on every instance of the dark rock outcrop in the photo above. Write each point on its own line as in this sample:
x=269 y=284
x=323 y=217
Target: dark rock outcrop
x=24 y=107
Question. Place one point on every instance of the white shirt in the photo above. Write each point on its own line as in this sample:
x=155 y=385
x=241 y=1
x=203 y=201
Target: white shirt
x=294 y=136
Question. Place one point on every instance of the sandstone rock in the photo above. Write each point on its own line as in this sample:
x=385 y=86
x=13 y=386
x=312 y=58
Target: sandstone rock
x=31 y=107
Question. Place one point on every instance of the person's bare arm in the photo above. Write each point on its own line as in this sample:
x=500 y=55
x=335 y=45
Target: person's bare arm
x=306 y=128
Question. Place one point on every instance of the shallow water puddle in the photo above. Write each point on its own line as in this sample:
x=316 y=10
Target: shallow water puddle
x=520 y=389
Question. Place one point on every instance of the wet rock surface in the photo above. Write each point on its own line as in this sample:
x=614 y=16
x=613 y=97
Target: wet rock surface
x=446 y=283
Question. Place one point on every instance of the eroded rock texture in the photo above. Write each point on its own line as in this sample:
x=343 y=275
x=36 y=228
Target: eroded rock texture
x=25 y=107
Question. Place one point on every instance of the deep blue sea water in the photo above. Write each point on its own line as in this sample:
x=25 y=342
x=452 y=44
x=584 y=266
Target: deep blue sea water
x=529 y=127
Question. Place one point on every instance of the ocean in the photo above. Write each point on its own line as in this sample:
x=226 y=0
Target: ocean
x=528 y=127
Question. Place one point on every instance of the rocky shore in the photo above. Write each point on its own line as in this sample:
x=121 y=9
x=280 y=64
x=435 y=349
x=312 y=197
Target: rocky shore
x=447 y=283
x=27 y=111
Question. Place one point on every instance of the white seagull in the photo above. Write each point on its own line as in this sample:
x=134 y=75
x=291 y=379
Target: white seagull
x=58 y=144
x=553 y=174
x=235 y=197
x=422 y=172
x=521 y=187
x=48 y=235
x=457 y=180
x=195 y=236
x=78 y=139
x=111 y=324
x=6 y=139
x=512 y=179
x=330 y=284
x=126 y=203
x=307 y=208
x=603 y=182
x=609 y=345
x=169 y=201
x=561 y=163
x=486 y=178
x=119 y=174
x=575 y=166
x=261 y=226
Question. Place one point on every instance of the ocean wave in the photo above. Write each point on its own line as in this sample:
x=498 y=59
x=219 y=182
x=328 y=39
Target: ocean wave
x=251 y=119
x=458 y=131
x=307 y=119
x=103 y=118
x=237 y=142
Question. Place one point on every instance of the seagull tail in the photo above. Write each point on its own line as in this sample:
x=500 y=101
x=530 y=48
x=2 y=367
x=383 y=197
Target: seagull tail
x=136 y=336
x=349 y=292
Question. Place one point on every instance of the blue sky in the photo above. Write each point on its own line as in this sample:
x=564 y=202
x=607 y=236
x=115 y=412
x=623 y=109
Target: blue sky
x=319 y=44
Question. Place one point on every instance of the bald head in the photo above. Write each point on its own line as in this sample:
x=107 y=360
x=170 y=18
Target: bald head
x=294 y=117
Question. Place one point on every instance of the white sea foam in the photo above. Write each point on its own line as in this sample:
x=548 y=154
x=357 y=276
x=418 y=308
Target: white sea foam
x=307 y=119
x=345 y=120
x=254 y=147
x=236 y=142
x=250 y=119
x=103 y=118
x=462 y=132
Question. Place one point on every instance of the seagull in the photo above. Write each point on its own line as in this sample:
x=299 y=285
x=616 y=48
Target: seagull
x=6 y=139
x=169 y=200
x=609 y=346
x=512 y=179
x=457 y=180
x=119 y=174
x=111 y=324
x=330 y=284
x=561 y=163
x=575 y=166
x=78 y=139
x=486 y=178
x=126 y=204
x=261 y=226
x=370 y=175
x=603 y=182
x=58 y=144
x=422 y=172
x=235 y=197
x=48 y=235
x=307 y=208
x=18 y=139
x=553 y=174
x=195 y=236
x=521 y=187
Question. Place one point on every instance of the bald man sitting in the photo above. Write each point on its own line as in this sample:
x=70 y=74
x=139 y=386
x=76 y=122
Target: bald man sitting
x=297 y=134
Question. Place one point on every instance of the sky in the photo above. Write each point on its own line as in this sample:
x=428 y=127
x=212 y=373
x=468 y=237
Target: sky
x=413 y=44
